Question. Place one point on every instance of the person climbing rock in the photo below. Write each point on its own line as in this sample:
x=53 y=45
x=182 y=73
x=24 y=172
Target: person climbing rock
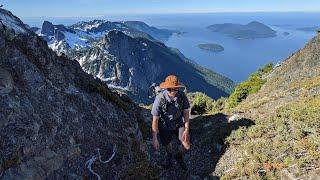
x=170 y=117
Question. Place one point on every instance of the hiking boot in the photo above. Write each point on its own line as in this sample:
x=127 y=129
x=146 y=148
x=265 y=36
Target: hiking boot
x=168 y=162
x=180 y=160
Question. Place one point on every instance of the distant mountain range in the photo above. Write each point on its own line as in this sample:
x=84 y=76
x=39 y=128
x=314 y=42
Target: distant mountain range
x=62 y=38
x=129 y=56
x=133 y=64
x=251 y=30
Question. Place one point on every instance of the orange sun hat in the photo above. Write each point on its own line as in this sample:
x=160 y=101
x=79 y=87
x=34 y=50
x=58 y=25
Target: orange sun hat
x=171 y=81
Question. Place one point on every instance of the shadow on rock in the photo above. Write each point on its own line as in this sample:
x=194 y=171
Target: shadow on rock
x=208 y=136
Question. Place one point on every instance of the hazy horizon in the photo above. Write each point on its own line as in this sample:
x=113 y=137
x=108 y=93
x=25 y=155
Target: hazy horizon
x=167 y=21
x=92 y=8
x=178 y=13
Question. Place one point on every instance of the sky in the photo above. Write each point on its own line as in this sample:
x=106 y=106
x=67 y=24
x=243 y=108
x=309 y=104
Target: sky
x=90 y=8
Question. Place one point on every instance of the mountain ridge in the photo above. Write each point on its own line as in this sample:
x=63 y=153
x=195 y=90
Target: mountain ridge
x=124 y=61
x=65 y=40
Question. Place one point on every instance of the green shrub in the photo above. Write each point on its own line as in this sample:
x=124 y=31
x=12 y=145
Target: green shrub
x=219 y=105
x=267 y=68
x=249 y=86
x=201 y=103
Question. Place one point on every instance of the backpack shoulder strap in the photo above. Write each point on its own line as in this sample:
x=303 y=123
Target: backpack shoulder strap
x=163 y=101
x=180 y=100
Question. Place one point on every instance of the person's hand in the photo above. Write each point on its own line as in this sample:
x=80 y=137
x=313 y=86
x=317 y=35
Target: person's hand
x=186 y=139
x=155 y=143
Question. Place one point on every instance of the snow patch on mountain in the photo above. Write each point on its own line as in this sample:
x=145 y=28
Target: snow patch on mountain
x=111 y=86
x=106 y=79
x=74 y=40
x=55 y=45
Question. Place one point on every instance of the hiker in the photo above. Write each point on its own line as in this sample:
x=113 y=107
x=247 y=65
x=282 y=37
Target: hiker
x=170 y=113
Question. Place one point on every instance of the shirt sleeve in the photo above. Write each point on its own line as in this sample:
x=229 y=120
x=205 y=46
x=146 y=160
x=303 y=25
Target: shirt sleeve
x=156 y=107
x=186 y=104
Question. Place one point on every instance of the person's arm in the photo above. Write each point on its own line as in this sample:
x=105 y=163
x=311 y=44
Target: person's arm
x=185 y=135
x=155 y=119
x=186 y=112
x=155 y=130
x=186 y=117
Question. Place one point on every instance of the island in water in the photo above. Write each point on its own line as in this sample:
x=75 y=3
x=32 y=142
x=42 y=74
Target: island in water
x=309 y=29
x=286 y=33
x=251 y=30
x=211 y=47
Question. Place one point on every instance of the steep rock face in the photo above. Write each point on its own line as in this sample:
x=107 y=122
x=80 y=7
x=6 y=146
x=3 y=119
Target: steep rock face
x=133 y=64
x=47 y=28
x=54 y=116
x=284 y=142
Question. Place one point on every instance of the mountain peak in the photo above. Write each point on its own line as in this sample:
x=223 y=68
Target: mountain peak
x=256 y=24
x=113 y=36
x=47 y=28
x=93 y=25
x=9 y=21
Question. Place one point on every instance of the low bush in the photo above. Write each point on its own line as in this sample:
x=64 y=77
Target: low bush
x=249 y=86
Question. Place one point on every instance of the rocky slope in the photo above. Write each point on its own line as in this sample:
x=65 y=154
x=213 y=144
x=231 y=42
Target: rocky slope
x=133 y=64
x=284 y=142
x=54 y=116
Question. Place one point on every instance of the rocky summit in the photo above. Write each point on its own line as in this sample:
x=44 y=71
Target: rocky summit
x=56 y=121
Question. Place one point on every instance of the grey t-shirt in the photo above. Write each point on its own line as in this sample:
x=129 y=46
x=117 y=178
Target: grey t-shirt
x=173 y=114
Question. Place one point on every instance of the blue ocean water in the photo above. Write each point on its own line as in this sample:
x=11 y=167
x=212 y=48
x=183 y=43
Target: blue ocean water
x=240 y=57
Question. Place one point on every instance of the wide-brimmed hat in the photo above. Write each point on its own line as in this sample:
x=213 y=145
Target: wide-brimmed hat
x=171 y=82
